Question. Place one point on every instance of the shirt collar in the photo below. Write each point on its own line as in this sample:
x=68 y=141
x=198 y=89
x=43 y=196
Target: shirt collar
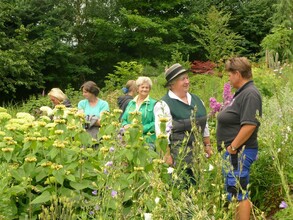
x=243 y=87
x=174 y=96
x=147 y=99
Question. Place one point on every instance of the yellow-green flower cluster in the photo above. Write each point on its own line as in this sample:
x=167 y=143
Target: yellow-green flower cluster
x=30 y=159
x=60 y=144
x=163 y=119
x=30 y=138
x=60 y=107
x=106 y=137
x=7 y=149
x=46 y=164
x=117 y=110
x=26 y=116
x=58 y=132
x=158 y=161
x=9 y=141
x=55 y=166
x=60 y=121
x=4 y=116
x=162 y=136
x=42 y=139
x=138 y=168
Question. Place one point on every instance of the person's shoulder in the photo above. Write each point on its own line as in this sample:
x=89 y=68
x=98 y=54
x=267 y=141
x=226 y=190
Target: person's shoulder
x=82 y=102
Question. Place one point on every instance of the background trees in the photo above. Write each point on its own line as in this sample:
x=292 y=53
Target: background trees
x=46 y=43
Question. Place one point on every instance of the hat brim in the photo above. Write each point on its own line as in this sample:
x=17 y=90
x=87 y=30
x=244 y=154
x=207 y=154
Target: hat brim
x=176 y=75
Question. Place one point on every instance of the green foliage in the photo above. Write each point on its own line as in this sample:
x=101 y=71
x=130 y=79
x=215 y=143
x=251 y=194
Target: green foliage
x=124 y=72
x=215 y=37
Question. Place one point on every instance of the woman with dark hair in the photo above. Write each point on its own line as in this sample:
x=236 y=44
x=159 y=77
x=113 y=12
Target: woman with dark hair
x=92 y=106
x=237 y=133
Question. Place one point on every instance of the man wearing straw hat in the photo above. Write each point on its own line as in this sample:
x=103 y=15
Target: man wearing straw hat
x=183 y=110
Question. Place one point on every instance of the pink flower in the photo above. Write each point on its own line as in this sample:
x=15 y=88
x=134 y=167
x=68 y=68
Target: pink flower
x=283 y=205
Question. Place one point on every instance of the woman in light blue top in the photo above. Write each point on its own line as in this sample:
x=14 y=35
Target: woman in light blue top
x=92 y=107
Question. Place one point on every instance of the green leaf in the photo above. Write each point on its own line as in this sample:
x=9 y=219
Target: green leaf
x=81 y=185
x=44 y=197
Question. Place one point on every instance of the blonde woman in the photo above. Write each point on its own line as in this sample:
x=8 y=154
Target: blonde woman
x=58 y=97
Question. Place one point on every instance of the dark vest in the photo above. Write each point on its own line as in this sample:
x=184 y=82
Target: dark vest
x=184 y=116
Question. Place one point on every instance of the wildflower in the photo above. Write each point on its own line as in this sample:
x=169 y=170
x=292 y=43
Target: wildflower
x=114 y=194
x=30 y=159
x=42 y=139
x=25 y=115
x=148 y=216
x=56 y=166
x=227 y=96
x=95 y=192
x=138 y=168
x=112 y=149
x=97 y=208
x=157 y=200
x=106 y=137
x=170 y=170
x=61 y=107
x=59 y=121
x=163 y=119
x=4 y=116
x=135 y=113
x=109 y=164
x=117 y=110
x=211 y=167
x=215 y=106
x=47 y=110
x=91 y=212
x=106 y=171
x=162 y=136
x=279 y=150
x=159 y=161
x=59 y=132
x=283 y=205
x=7 y=149
x=46 y=164
x=104 y=149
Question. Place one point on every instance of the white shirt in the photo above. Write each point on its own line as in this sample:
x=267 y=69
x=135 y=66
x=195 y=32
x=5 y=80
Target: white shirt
x=162 y=110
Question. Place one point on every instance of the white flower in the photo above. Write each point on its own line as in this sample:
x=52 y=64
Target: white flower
x=157 y=200
x=211 y=167
x=47 y=110
x=148 y=216
x=279 y=150
x=288 y=129
x=170 y=170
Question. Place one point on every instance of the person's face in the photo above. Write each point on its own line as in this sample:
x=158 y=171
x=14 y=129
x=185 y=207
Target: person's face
x=234 y=79
x=54 y=100
x=143 y=90
x=87 y=94
x=181 y=84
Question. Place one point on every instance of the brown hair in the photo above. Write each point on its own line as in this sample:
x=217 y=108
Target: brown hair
x=240 y=64
x=130 y=85
x=91 y=87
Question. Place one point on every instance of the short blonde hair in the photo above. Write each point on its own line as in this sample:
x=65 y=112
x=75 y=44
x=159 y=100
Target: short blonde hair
x=144 y=79
x=58 y=94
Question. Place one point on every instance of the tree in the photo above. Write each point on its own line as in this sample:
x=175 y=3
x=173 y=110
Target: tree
x=215 y=37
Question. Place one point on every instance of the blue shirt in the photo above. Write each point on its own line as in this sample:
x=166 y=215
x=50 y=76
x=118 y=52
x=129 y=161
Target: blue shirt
x=93 y=110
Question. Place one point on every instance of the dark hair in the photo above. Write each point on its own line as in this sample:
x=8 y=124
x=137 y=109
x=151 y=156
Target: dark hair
x=91 y=87
x=240 y=64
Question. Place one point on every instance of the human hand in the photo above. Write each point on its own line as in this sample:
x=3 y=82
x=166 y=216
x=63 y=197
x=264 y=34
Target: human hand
x=230 y=151
x=168 y=159
x=209 y=151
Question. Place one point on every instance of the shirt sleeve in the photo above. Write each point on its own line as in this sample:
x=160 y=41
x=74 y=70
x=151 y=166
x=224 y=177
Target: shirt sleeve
x=162 y=110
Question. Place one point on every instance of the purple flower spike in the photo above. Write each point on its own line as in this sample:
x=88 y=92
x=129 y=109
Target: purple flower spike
x=283 y=205
x=114 y=193
x=95 y=192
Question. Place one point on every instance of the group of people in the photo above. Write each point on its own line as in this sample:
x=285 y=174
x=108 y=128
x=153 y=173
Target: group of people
x=186 y=115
